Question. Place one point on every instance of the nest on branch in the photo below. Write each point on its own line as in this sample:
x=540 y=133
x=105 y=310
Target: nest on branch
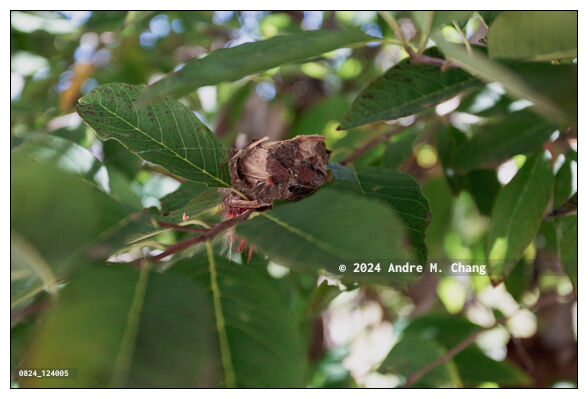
x=266 y=171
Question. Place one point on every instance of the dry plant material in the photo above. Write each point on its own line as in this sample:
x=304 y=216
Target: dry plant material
x=267 y=171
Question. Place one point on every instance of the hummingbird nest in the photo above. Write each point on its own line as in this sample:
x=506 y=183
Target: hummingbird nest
x=266 y=171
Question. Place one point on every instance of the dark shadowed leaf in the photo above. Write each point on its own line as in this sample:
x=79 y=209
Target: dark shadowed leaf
x=343 y=172
x=476 y=368
x=489 y=16
x=557 y=82
x=517 y=214
x=166 y=132
x=59 y=221
x=402 y=192
x=249 y=58
x=517 y=133
x=265 y=347
x=534 y=35
x=406 y=89
x=326 y=229
x=414 y=352
x=484 y=186
x=438 y=193
x=400 y=148
x=119 y=327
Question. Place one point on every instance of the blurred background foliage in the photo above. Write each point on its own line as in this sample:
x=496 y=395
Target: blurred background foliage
x=89 y=197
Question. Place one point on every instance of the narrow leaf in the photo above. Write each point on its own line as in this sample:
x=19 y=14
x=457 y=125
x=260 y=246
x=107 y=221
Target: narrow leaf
x=236 y=62
x=488 y=70
x=517 y=214
x=166 y=132
x=406 y=89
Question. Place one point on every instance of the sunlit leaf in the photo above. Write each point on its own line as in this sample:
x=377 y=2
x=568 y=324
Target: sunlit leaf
x=166 y=132
x=406 y=89
x=249 y=58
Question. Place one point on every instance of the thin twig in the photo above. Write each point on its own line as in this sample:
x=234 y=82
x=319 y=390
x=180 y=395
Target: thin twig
x=448 y=355
x=371 y=144
x=471 y=339
x=207 y=234
x=179 y=227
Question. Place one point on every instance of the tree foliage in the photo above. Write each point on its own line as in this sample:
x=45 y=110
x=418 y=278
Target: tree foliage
x=452 y=138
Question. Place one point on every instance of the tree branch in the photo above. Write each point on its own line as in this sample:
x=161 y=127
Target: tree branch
x=448 y=355
x=179 y=227
x=206 y=234
x=371 y=144
x=471 y=339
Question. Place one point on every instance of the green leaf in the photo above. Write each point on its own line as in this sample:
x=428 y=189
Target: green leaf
x=119 y=327
x=517 y=214
x=29 y=272
x=443 y=328
x=476 y=368
x=190 y=197
x=517 y=133
x=406 y=89
x=439 y=195
x=265 y=347
x=473 y=365
x=519 y=279
x=166 y=132
x=568 y=247
x=400 y=148
x=557 y=82
x=328 y=228
x=341 y=172
x=489 y=16
x=484 y=186
x=236 y=62
x=564 y=183
x=432 y=20
x=534 y=35
x=64 y=218
x=412 y=353
x=488 y=70
x=402 y=192
x=62 y=154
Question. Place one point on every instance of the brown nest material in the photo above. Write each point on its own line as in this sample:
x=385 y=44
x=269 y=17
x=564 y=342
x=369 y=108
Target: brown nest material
x=266 y=171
